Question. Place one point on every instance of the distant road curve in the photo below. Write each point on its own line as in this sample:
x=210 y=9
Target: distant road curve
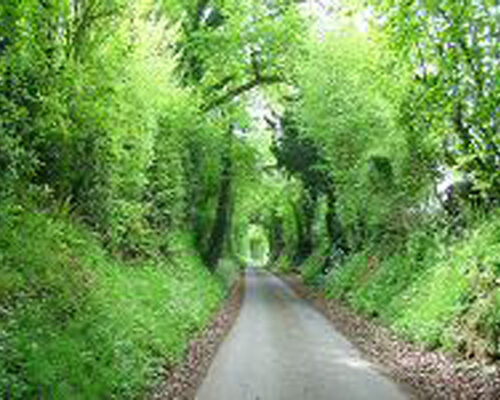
x=281 y=348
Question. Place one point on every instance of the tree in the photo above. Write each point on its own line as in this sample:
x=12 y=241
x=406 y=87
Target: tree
x=453 y=50
x=253 y=39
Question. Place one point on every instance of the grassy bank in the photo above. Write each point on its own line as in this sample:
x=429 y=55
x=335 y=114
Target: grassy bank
x=441 y=292
x=77 y=323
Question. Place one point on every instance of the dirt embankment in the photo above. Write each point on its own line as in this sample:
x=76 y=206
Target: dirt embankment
x=432 y=374
x=182 y=382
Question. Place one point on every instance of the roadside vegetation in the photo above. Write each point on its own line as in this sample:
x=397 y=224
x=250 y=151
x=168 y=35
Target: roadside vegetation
x=78 y=323
x=149 y=149
x=393 y=144
x=118 y=172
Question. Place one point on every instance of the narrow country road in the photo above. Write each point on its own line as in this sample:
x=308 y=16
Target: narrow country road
x=281 y=348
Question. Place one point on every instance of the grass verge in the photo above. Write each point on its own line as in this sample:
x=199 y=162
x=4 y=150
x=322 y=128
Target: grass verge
x=444 y=295
x=76 y=323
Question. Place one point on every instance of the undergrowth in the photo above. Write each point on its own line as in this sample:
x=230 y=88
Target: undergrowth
x=76 y=323
x=445 y=295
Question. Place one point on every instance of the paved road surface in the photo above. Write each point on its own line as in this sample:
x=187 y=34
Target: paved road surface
x=281 y=348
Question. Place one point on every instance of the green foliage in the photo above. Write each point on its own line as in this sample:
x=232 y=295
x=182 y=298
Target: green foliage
x=253 y=39
x=430 y=291
x=129 y=148
x=342 y=281
x=95 y=115
x=348 y=109
x=451 y=47
x=312 y=268
x=370 y=126
x=104 y=157
x=84 y=325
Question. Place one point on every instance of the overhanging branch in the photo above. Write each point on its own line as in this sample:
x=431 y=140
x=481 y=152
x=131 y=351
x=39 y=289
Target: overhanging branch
x=260 y=81
x=222 y=84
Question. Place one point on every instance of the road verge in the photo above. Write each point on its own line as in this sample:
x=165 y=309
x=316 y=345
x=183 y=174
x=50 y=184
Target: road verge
x=182 y=381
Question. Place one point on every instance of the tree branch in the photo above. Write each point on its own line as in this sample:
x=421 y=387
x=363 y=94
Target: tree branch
x=263 y=80
x=476 y=69
x=272 y=124
x=254 y=55
x=222 y=84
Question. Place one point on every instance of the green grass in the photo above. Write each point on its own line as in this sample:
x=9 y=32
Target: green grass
x=282 y=265
x=432 y=292
x=78 y=323
x=311 y=269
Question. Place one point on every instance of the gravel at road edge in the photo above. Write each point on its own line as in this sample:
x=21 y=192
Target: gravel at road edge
x=181 y=382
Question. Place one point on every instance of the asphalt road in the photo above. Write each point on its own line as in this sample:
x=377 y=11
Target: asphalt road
x=281 y=348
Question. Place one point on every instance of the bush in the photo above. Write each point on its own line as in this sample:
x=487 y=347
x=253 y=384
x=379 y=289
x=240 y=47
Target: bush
x=84 y=325
x=431 y=291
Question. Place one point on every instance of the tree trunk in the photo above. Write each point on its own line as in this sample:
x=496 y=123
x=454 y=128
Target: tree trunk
x=305 y=218
x=333 y=225
x=222 y=219
x=276 y=236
